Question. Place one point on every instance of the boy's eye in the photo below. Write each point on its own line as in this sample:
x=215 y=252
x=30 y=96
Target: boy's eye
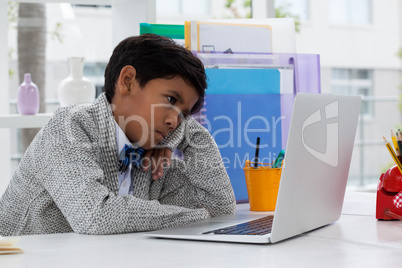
x=172 y=100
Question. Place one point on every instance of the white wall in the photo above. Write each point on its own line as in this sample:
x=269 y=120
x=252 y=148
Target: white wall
x=127 y=14
x=81 y=34
x=4 y=133
x=372 y=46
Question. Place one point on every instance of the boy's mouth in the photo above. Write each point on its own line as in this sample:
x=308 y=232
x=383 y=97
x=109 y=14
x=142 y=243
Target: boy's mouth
x=162 y=134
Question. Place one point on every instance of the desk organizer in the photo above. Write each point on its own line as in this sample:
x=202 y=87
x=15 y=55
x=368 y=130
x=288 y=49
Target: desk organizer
x=262 y=185
x=389 y=186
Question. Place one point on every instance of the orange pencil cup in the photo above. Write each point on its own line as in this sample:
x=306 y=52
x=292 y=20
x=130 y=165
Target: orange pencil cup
x=262 y=186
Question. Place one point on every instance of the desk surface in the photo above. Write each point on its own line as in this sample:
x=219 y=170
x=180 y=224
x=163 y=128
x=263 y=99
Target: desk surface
x=356 y=240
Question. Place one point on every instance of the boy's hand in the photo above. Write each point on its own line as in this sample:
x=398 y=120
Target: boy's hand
x=156 y=159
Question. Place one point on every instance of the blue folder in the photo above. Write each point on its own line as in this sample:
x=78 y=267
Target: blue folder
x=241 y=105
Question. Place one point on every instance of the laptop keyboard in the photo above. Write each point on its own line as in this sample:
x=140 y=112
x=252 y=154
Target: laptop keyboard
x=260 y=226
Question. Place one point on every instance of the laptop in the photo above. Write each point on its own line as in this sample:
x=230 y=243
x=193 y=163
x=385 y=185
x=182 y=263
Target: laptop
x=313 y=181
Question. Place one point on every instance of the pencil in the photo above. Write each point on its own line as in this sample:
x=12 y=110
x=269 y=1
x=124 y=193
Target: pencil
x=391 y=151
x=393 y=137
x=399 y=141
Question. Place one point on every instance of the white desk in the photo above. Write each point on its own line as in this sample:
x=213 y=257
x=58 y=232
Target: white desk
x=356 y=240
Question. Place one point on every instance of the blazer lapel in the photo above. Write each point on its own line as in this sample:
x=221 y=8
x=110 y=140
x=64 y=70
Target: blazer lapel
x=108 y=147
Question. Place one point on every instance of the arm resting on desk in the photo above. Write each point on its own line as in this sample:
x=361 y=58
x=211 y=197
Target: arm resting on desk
x=201 y=180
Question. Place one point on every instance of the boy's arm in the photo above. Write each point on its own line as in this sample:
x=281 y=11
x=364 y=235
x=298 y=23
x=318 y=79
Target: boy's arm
x=68 y=167
x=201 y=180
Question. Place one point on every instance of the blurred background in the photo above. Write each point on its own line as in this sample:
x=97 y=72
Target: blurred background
x=359 y=43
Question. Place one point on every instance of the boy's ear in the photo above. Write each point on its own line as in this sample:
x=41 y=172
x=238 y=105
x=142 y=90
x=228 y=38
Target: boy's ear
x=126 y=81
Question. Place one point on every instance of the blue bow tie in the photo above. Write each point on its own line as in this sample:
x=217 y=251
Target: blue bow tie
x=129 y=155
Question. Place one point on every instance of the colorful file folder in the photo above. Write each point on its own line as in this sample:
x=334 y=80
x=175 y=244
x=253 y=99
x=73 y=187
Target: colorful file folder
x=243 y=103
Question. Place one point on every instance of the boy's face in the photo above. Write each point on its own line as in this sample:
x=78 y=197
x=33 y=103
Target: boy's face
x=148 y=114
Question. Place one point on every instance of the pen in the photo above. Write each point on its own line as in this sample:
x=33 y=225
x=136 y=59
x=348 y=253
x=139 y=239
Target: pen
x=257 y=151
x=391 y=151
x=278 y=160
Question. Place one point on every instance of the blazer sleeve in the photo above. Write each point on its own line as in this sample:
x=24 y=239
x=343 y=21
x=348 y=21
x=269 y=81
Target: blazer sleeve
x=200 y=180
x=69 y=166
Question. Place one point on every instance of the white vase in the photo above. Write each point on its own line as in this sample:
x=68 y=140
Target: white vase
x=76 y=89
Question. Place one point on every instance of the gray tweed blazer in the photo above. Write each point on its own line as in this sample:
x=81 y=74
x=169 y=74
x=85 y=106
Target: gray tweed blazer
x=67 y=180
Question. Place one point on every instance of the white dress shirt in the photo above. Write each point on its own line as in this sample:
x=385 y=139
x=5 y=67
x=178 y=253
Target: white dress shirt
x=125 y=179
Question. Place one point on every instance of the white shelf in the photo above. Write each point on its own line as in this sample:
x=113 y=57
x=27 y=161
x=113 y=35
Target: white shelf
x=24 y=121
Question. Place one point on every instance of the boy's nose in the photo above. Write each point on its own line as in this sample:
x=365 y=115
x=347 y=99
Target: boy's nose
x=172 y=120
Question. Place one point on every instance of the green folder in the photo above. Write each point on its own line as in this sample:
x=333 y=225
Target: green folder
x=169 y=30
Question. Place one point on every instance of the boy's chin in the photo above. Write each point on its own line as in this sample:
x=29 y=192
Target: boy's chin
x=157 y=146
x=148 y=146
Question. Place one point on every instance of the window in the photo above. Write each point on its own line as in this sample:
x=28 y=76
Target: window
x=298 y=8
x=353 y=82
x=350 y=12
x=95 y=71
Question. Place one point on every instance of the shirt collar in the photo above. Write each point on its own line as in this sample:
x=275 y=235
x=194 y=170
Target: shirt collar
x=121 y=138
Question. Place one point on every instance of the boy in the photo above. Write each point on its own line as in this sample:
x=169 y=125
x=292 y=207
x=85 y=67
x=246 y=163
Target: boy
x=83 y=171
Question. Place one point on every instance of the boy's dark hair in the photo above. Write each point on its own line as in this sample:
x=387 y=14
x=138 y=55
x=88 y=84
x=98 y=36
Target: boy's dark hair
x=155 y=56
